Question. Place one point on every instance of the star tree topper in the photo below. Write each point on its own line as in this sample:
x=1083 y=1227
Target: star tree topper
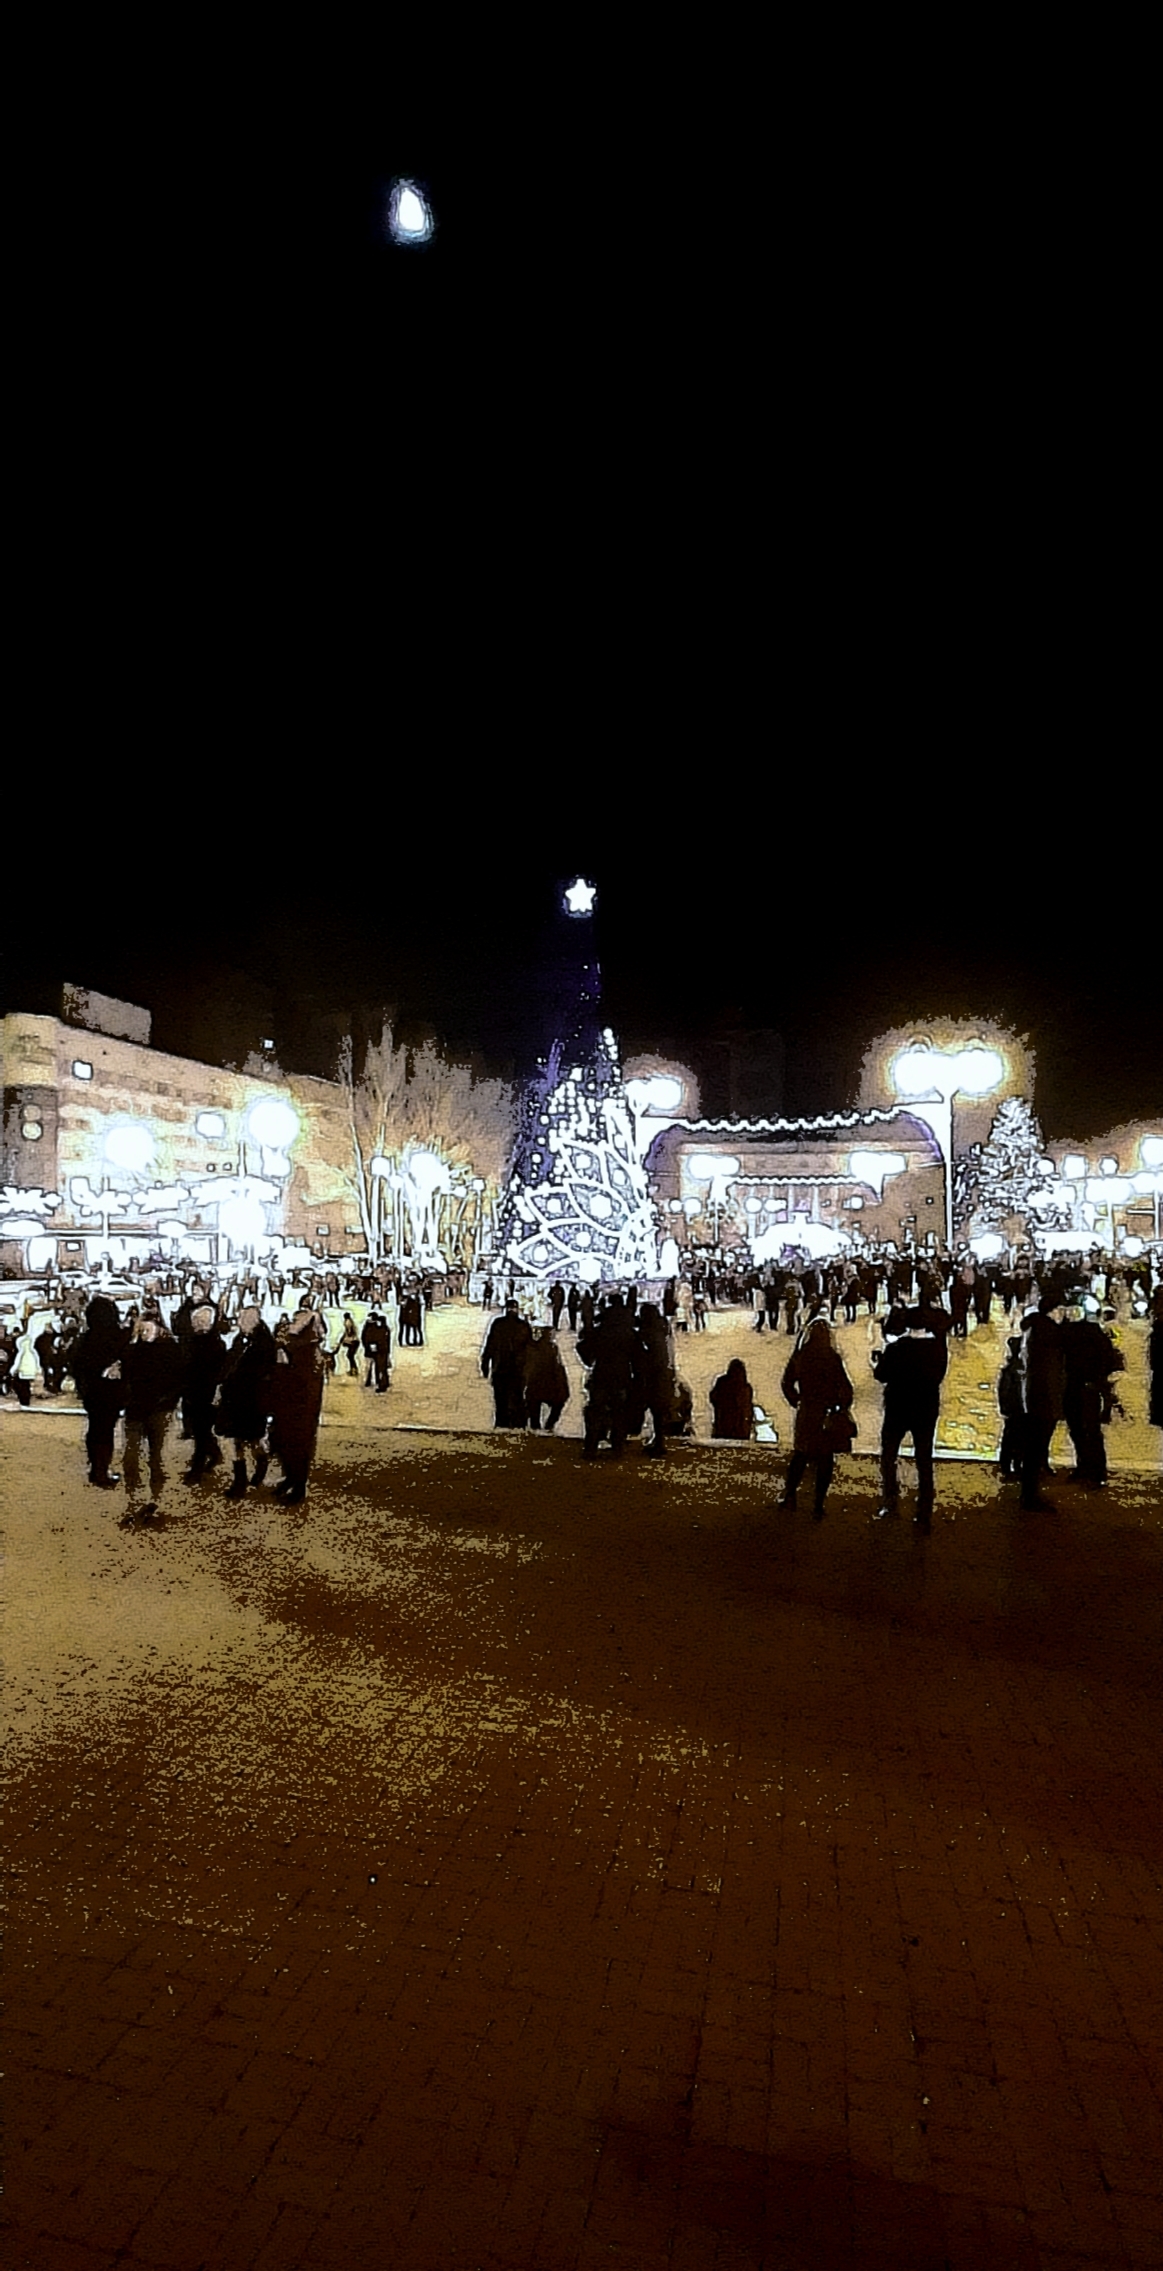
x=580 y=897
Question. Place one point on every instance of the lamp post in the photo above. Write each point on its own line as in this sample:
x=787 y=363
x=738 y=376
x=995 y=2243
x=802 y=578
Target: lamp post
x=930 y=1079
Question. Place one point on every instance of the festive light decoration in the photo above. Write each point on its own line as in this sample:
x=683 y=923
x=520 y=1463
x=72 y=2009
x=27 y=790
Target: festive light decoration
x=577 y=1201
x=409 y=214
x=580 y=897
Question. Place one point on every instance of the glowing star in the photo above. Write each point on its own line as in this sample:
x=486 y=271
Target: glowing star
x=580 y=897
x=409 y=217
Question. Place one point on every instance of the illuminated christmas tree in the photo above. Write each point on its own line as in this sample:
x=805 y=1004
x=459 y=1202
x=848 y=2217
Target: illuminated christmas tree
x=1008 y=1176
x=577 y=1203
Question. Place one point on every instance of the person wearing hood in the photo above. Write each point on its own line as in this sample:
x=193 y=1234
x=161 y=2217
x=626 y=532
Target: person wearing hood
x=94 y=1351
x=296 y=1402
x=546 y=1381
x=204 y=1364
x=733 y=1404
x=245 y=1398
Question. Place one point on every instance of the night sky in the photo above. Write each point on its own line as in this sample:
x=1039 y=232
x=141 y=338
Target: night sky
x=744 y=518
x=485 y=965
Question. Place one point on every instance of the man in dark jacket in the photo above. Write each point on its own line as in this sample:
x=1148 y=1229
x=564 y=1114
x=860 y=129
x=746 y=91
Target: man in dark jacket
x=205 y=1362
x=151 y=1380
x=95 y=1351
x=1091 y=1360
x=376 y=1340
x=504 y=1352
x=910 y=1368
x=608 y=1348
x=556 y=1304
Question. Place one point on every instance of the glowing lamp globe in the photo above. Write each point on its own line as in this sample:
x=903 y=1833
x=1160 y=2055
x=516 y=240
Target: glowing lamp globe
x=913 y=1072
x=273 y=1124
x=129 y=1146
x=978 y=1070
x=1074 y=1167
x=1151 y=1150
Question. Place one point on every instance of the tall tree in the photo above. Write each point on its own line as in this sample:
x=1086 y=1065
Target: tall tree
x=404 y=1101
x=1007 y=1177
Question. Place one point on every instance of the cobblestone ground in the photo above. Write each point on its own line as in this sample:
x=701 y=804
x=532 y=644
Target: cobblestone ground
x=503 y=1862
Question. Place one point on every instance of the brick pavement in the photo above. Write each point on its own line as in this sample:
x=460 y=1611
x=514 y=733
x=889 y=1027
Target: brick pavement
x=502 y=1862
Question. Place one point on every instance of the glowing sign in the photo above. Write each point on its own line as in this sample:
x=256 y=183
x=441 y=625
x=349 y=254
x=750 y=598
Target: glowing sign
x=580 y=897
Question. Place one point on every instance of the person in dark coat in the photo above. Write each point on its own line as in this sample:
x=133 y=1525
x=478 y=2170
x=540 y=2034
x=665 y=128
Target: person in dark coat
x=1045 y=1389
x=376 y=1340
x=608 y=1348
x=1155 y=1359
x=546 y=1381
x=349 y=1342
x=1011 y=1405
x=100 y=1346
x=411 y=1319
x=654 y=1379
x=1091 y=1361
x=982 y=1296
x=151 y=1381
x=816 y=1385
x=296 y=1402
x=910 y=1368
x=733 y=1404
x=509 y=1339
x=556 y=1304
x=204 y=1363
x=47 y=1350
x=572 y=1303
x=245 y=1398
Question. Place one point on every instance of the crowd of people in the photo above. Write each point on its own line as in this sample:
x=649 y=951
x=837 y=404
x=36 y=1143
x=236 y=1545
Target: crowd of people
x=245 y=1359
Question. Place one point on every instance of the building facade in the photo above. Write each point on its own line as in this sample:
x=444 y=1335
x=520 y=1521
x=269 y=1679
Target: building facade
x=110 y=1146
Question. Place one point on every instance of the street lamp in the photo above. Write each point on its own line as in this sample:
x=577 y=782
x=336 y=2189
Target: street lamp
x=930 y=1079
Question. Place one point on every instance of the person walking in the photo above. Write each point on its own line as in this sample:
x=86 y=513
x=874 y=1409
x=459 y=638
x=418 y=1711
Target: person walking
x=205 y=1363
x=151 y=1379
x=910 y=1368
x=733 y=1404
x=245 y=1399
x=556 y=1304
x=94 y=1353
x=816 y=1385
x=296 y=1403
x=572 y=1301
x=349 y=1344
x=508 y=1342
x=546 y=1380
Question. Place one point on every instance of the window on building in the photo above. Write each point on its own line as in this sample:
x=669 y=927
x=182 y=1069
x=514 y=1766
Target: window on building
x=32 y=1131
x=81 y=1071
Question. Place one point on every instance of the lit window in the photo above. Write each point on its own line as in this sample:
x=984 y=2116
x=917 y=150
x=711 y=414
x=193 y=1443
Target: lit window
x=81 y=1071
x=32 y=1131
x=210 y=1124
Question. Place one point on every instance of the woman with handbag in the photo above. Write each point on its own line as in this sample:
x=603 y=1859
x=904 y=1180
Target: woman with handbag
x=817 y=1386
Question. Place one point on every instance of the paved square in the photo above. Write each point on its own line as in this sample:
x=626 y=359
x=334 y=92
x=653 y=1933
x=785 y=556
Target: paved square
x=501 y=1862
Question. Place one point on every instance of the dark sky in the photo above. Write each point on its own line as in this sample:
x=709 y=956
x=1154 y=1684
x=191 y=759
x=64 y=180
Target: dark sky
x=476 y=956
x=744 y=511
